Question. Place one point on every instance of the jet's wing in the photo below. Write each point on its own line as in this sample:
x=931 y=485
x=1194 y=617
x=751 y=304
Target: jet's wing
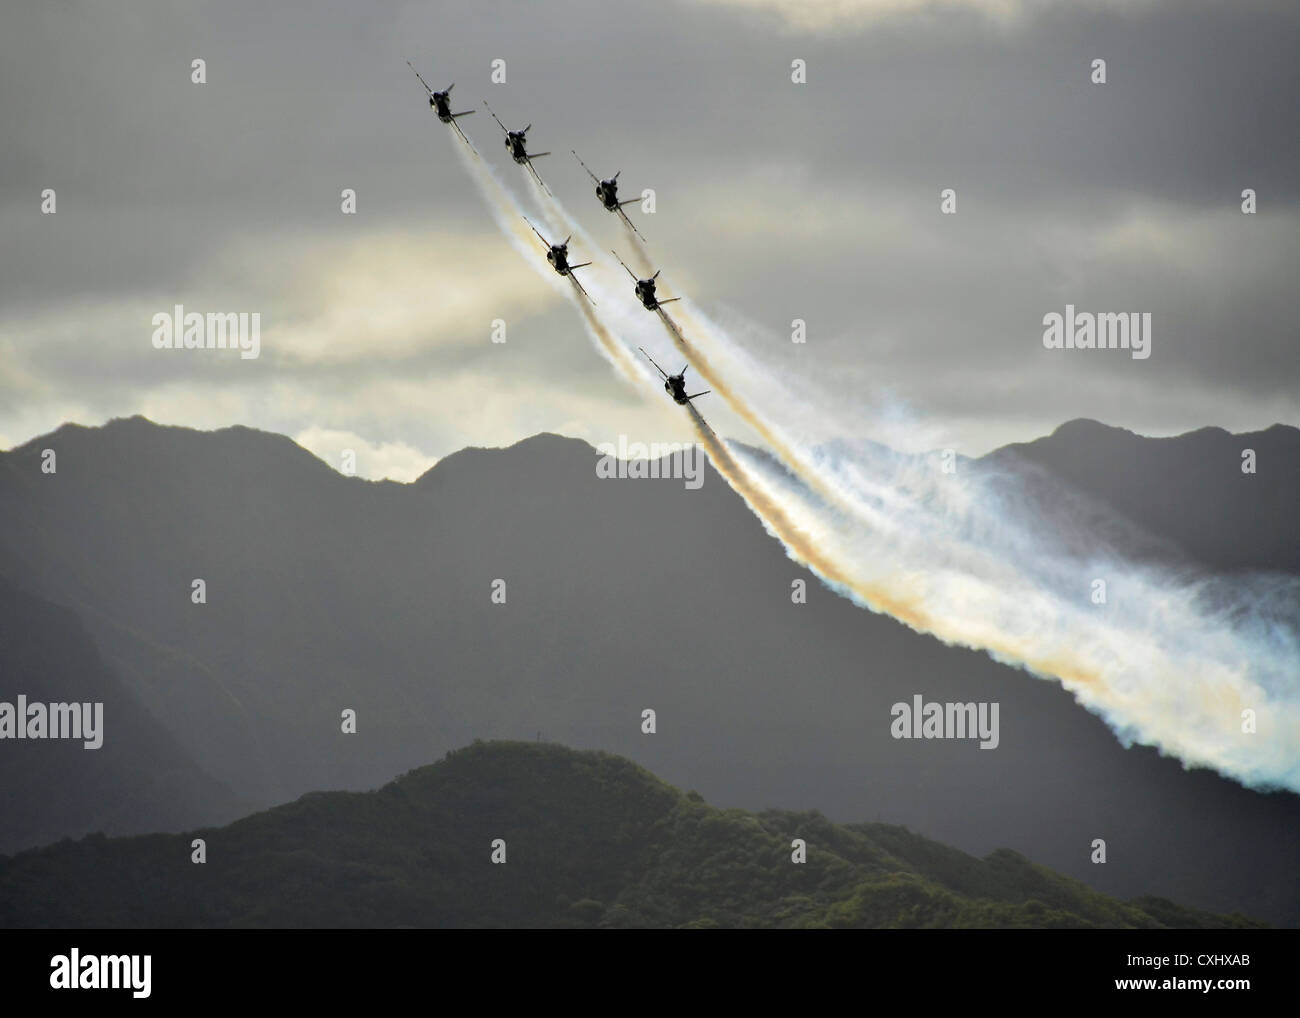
x=695 y=394
x=652 y=361
x=672 y=326
x=463 y=136
x=422 y=81
x=540 y=183
x=709 y=434
x=585 y=167
x=623 y=216
x=495 y=117
x=624 y=264
x=537 y=231
x=579 y=285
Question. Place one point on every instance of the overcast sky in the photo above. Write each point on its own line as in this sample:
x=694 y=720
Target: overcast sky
x=775 y=200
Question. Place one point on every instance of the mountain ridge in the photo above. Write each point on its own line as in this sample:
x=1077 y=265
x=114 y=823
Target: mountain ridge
x=589 y=839
x=326 y=593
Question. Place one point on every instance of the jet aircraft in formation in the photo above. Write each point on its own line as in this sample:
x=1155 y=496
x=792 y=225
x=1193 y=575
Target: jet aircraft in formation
x=441 y=104
x=517 y=145
x=557 y=255
x=607 y=192
x=675 y=385
x=645 y=288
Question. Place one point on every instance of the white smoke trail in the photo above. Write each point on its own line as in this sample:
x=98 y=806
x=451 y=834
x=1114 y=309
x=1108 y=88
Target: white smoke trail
x=639 y=259
x=1167 y=660
x=510 y=216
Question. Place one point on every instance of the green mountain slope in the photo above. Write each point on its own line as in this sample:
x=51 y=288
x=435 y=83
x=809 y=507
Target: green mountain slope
x=591 y=839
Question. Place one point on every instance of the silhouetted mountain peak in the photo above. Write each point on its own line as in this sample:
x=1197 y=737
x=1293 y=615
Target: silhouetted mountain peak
x=1199 y=490
x=138 y=440
x=1084 y=428
x=544 y=445
x=530 y=464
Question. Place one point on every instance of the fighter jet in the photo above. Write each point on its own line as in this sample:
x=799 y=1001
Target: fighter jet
x=518 y=146
x=441 y=104
x=607 y=192
x=558 y=256
x=645 y=288
x=675 y=385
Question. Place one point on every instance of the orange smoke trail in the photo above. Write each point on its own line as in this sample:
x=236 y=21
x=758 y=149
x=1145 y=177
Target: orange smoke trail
x=510 y=217
x=641 y=264
x=1128 y=675
x=906 y=608
x=616 y=351
x=796 y=538
x=714 y=379
x=889 y=595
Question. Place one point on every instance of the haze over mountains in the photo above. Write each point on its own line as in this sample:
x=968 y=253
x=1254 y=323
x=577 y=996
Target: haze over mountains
x=1189 y=491
x=326 y=593
x=141 y=779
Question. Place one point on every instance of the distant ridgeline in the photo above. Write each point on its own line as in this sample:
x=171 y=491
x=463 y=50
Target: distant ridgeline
x=538 y=835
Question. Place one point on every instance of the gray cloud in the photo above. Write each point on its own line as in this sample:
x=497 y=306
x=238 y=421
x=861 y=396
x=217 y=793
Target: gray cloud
x=817 y=201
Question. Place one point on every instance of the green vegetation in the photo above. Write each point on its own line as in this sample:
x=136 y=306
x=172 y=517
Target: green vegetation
x=592 y=840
